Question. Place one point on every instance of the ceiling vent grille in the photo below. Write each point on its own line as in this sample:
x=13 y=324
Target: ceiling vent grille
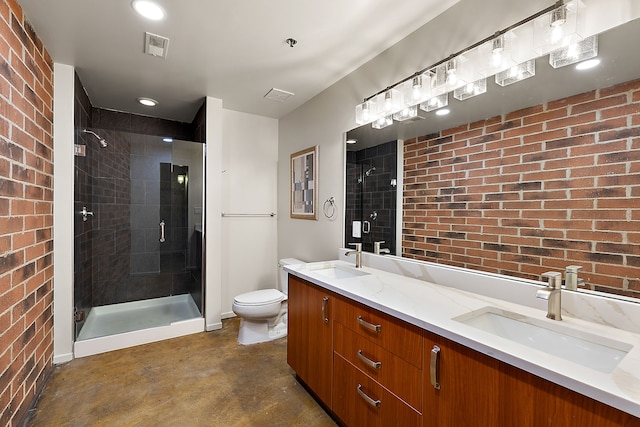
x=278 y=95
x=156 y=45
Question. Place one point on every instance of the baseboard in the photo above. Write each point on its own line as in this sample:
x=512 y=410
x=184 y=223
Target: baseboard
x=227 y=315
x=214 y=326
x=62 y=358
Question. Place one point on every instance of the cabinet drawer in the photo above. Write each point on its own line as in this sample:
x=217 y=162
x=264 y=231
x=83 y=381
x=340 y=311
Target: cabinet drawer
x=352 y=388
x=396 y=336
x=399 y=376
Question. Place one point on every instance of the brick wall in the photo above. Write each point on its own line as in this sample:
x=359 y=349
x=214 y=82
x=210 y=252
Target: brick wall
x=535 y=190
x=26 y=168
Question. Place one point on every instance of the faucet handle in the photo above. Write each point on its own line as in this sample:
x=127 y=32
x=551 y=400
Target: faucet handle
x=555 y=279
x=573 y=268
x=358 y=246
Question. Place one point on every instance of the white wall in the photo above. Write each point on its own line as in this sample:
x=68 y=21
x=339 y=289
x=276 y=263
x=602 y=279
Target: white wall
x=249 y=186
x=63 y=215
x=324 y=119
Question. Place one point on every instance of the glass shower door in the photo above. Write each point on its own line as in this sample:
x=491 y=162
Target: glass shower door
x=142 y=247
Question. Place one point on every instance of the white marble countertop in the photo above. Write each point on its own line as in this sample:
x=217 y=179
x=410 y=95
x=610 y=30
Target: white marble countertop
x=433 y=307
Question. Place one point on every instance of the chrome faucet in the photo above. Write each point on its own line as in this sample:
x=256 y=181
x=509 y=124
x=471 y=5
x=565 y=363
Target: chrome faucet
x=571 y=280
x=378 y=250
x=358 y=253
x=552 y=293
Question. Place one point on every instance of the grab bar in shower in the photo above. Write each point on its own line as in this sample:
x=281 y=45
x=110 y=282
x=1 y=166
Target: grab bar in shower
x=272 y=214
x=162 y=240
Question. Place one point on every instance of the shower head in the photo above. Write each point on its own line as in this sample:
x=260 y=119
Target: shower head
x=102 y=142
x=370 y=171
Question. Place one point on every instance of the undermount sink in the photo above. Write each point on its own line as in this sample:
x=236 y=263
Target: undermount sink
x=335 y=271
x=593 y=351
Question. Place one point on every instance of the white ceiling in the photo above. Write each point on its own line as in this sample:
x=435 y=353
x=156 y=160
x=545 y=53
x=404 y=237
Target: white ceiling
x=231 y=50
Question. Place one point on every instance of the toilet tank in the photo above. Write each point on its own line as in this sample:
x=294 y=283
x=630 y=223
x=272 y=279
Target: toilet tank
x=283 y=276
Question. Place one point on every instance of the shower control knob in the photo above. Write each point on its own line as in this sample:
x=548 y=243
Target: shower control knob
x=85 y=213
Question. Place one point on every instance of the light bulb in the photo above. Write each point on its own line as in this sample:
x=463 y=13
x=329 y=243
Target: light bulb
x=417 y=87
x=470 y=88
x=388 y=101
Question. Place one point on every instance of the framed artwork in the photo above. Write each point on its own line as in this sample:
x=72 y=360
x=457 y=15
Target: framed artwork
x=304 y=191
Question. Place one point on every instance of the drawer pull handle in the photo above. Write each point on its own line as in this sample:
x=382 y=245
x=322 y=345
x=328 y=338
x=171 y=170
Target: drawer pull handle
x=370 y=326
x=370 y=401
x=325 y=317
x=369 y=362
x=433 y=368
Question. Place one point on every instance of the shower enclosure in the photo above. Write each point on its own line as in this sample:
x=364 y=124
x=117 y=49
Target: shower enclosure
x=371 y=197
x=138 y=235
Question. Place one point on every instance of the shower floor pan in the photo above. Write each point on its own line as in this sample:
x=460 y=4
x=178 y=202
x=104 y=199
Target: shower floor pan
x=117 y=326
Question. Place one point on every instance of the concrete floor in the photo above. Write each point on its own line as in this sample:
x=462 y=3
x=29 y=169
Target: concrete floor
x=205 y=379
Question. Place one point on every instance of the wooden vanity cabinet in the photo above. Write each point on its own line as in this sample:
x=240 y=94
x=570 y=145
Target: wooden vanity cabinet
x=334 y=345
x=310 y=339
x=478 y=390
x=377 y=367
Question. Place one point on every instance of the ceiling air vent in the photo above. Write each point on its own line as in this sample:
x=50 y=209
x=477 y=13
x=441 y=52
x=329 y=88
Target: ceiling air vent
x=278 y=95
x=156 y=45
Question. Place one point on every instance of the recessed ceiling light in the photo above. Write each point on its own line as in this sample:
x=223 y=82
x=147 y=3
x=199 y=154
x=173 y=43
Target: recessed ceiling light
x=443 y=112
x=148 y=102
x=167 y=139
x=585 y=65
x=149 y=9
x=352 y=141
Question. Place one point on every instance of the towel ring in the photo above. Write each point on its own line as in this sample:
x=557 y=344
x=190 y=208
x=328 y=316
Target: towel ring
x=329 y=208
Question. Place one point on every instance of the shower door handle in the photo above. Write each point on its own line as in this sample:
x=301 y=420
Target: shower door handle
x=162 y=231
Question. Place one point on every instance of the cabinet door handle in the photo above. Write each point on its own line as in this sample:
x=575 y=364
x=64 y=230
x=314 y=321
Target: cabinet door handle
x=325 y=317
x=369 y=362
x=369 y=326
x=370 y=401
x=433 y=368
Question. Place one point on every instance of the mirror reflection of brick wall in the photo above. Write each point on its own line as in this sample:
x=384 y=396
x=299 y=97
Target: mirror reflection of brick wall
x=371 y=195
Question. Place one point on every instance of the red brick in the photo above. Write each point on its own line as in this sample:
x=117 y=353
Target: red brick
x=545 y=116
x=525 y=130
x=571 y=121
x=572 y=100
x=619 y=88
x=599 y=104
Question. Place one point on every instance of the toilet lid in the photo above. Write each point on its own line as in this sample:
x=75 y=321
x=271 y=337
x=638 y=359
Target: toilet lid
x=261 y=297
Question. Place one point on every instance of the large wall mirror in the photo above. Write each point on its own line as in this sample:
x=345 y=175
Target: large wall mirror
x=526 y=178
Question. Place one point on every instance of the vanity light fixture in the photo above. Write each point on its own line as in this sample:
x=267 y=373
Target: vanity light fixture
x=406 y=113
x=149 y=9
x=382 y=122
x=575 y=52
x=497 y=47
x=435 y=103
x=451 y=70
x=148 y=102
x=470 y=90
x=588 y=64
x=365 y=112
x=566 y=31
x=517 y=73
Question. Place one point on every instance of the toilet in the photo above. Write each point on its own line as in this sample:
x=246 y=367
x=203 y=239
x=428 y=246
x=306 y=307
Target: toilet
x=263 y=313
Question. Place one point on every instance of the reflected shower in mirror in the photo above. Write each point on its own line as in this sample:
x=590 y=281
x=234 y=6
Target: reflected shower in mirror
x=532 y=177
x=370 y=208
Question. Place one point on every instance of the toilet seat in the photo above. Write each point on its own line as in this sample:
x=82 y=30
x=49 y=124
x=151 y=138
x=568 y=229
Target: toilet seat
x=258 y=298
